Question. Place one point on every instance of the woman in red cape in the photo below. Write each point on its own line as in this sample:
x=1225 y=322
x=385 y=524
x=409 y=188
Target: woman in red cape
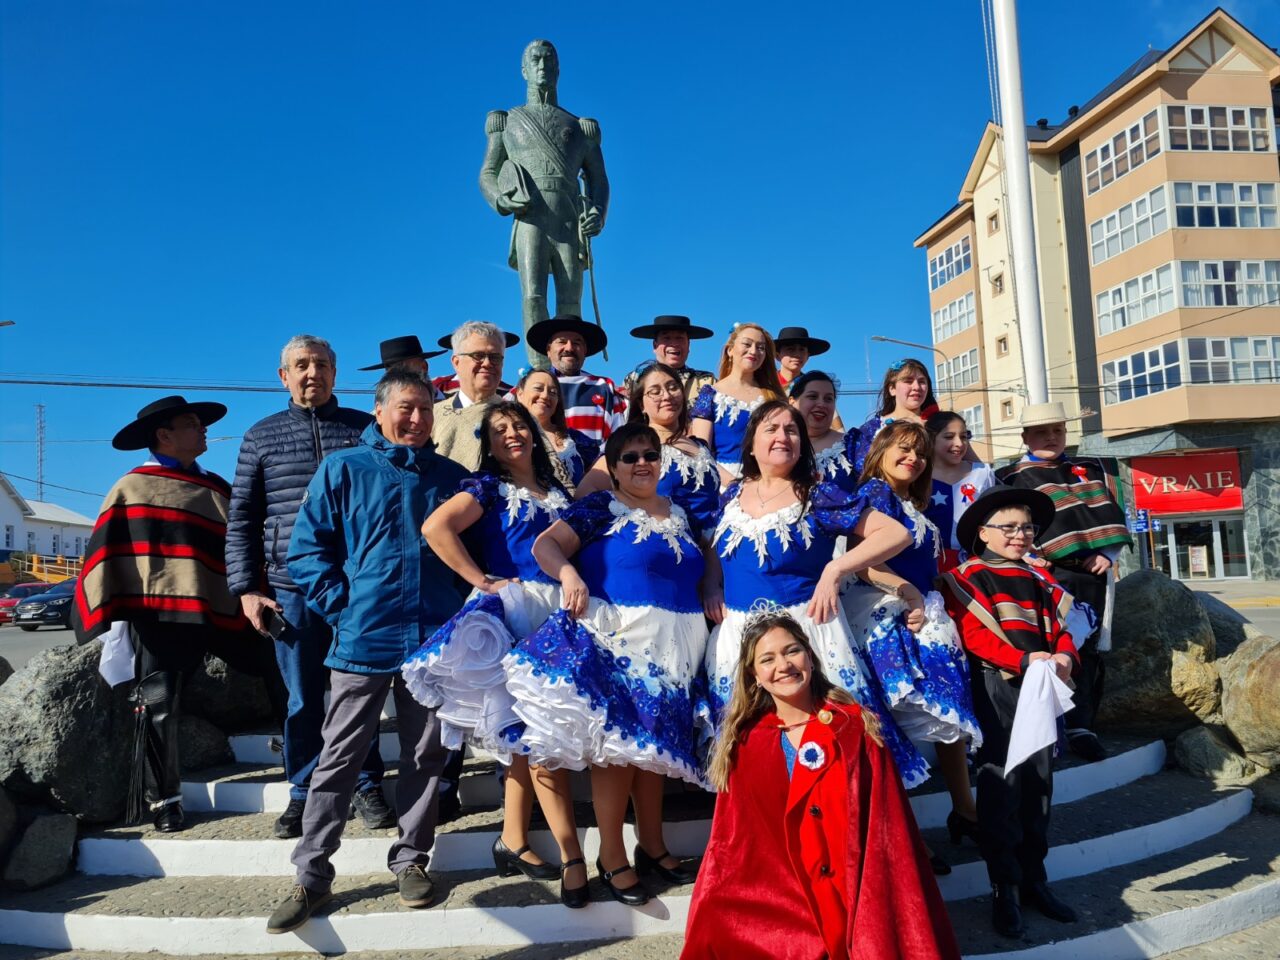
x=814 y=852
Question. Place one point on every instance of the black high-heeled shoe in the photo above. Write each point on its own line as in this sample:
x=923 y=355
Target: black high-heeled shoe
x=508 y=863
x=578 y=897
x=646 y=864
x=940 y=867
x=960 y=827
x=633 y=896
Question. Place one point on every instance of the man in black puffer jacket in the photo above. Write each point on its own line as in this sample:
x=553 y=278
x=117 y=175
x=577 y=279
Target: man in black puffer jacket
x=278 y=457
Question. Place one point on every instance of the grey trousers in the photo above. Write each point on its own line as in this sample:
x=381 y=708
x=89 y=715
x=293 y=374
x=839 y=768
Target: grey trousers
x=355 y=708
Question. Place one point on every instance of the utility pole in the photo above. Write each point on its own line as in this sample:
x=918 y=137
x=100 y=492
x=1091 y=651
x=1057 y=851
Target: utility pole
x=1026 y=285
x=39 y=451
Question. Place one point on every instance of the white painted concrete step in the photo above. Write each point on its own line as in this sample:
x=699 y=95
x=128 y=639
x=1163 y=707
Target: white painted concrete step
x=1197 y=893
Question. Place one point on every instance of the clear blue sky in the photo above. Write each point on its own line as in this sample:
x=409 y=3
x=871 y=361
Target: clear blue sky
x=185 y=185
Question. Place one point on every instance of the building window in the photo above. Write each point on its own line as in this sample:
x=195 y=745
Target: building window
x=31 y=541
x=1229 y=283
x=1126 y=151
x=949 y=264
x=1136 y=300
x=975 y=420
x=997 y=285
x=1142 y=374
x=79 y=546
x=56 y=543
x=1006 y=410
x=955 y=316
x=1002 y=346
x=1224 y=204
x=958 y=372
x=993 y=224
x=1129 y=226
x=1230 y=129
x=8 y=536
x=1216 y=360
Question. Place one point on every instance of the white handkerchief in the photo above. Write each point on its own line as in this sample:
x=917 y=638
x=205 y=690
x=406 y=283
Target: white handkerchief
x=116 y=662
x=1041 y=701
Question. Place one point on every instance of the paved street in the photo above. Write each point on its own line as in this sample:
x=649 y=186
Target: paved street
x=19 y=646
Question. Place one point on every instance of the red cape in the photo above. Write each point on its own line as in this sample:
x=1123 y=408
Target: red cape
x=827 y=865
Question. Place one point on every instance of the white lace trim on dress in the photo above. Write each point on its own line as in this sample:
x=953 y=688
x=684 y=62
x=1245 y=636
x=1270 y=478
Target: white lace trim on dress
x=832 y=460
x=732 y=407
x=672 y=529
x=784 y=524
x=696 y=467
x=552 y=504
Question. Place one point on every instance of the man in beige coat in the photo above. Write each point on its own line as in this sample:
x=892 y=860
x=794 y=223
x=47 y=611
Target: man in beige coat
x=478 y=352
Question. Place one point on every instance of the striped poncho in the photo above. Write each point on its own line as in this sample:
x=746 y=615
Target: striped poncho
x=1086 y=496
x=157 y=553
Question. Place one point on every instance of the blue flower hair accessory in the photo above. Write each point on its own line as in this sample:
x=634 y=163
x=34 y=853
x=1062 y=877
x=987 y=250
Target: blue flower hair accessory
x=895 y=367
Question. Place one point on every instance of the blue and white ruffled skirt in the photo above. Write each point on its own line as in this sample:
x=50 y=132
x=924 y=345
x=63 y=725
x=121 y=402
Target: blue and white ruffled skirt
x=618 y=686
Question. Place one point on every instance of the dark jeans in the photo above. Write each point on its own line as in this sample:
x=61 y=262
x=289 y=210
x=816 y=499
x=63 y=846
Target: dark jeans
x=300 y=653
x=1013 y=811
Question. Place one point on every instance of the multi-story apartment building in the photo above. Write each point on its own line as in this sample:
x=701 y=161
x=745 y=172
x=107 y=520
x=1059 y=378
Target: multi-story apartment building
x=1158 y=240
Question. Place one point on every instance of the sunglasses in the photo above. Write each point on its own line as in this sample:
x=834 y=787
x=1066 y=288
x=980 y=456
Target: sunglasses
x=632 y=457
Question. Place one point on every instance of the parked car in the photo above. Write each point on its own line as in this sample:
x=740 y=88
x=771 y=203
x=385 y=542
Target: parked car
x=14 y=595
x=49 y=609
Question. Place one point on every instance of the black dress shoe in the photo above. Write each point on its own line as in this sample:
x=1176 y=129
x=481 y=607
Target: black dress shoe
x=940 y=867
x=574 y=898
x=1087 y=746
x=508 y=863
x=960 y=827
x=169 y=818
x=1006 y=915
x=681 y=874
x=1039 y=895
x=633 y=896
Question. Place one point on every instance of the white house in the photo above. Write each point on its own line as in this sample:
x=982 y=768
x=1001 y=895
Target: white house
x=34 y=526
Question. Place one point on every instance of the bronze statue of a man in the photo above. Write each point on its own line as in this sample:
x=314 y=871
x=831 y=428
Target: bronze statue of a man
x=532 y=163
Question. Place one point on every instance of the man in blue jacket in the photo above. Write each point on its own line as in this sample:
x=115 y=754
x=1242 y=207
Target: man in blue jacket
x=359 y=557
x=278 y=457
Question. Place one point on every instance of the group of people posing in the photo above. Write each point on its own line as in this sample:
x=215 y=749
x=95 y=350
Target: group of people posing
x=693 y=575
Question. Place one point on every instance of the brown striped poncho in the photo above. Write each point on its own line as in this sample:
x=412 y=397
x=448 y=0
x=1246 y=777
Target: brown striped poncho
x=158 y=553
x=1089 y=513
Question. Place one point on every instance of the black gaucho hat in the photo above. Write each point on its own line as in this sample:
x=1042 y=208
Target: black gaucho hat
x=447 y=340
x=398 y=349
x=671 y=321
x=139 y=434
x=801 y=335
x=997 y=498
x=540 y=333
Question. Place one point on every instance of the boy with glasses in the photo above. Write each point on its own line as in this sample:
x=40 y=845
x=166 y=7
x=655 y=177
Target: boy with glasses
x=1009 y=616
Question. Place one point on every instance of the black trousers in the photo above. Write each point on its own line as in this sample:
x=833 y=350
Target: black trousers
x=1090 y=678
x=1013 y=811
x=166 y=653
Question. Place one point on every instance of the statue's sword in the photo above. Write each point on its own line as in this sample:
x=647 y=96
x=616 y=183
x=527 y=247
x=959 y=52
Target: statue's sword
x=589 y=266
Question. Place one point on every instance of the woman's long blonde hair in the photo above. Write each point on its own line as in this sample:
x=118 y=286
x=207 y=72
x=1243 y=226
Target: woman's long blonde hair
x=766 y=377
x=750 y=701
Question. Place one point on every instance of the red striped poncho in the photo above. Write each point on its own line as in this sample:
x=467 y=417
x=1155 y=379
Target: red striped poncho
x=157 y=553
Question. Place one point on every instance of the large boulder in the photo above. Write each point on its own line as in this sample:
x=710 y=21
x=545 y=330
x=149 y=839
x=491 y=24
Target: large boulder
x=201 y=744
x=6 y=671
x=1250 y=701
x=1230 y=627
x=1160 y=671
x=1204 y=752
x=65 y=736
x=42 y=854
x=231 y=700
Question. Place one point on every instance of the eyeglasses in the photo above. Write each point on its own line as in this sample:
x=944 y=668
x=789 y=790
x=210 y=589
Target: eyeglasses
x=1013 y=529
x=632 y=457
x=670 y=390
x=480 y=357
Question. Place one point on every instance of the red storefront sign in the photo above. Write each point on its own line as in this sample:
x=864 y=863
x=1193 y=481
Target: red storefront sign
x=1188 y=483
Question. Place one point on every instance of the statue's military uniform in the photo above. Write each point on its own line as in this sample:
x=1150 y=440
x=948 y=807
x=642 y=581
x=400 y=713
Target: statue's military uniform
x=537 y=151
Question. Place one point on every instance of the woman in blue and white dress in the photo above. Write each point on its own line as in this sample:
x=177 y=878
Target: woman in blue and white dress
x=748 y=377
x=572 y=451
x=910 y=641
x=814 y=395
x=957 y=481
x=689 y=475
x=775 y=544
x=505 y=505
x=611 y=682
x=905 y=394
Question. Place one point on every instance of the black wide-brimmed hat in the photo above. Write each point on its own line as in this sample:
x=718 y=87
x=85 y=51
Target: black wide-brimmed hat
x=540 y=333
x=671 y=321
x=801 y=335
x=509 y=338
x=399 y=349
x=997 y=498
x=139 y=434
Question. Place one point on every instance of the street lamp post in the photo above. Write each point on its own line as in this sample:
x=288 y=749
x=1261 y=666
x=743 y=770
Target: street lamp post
x=921 y=346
